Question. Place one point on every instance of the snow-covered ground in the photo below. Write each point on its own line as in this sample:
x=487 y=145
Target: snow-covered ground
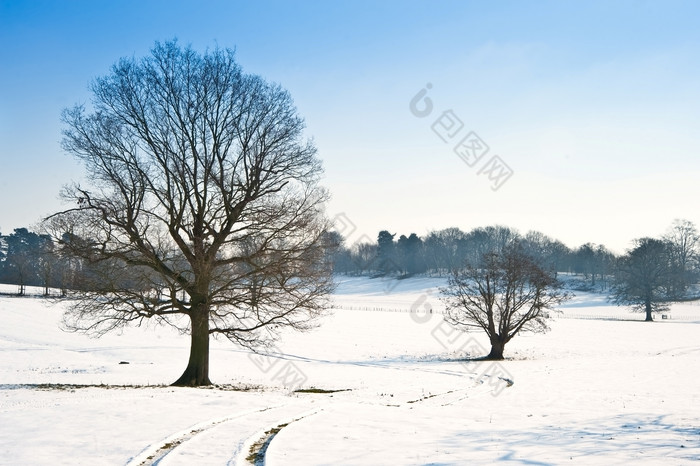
x=588 y=392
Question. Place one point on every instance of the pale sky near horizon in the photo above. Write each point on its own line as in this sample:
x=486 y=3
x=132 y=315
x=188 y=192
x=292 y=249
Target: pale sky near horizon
x=593 y=106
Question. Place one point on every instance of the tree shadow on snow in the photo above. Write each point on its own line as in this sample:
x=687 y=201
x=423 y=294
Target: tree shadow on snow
x=620 y=438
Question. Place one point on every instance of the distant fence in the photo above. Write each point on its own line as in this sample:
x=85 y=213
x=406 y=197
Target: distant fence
x=384 y=309
x=630 y=316
x=558 y=315
x=12 y=291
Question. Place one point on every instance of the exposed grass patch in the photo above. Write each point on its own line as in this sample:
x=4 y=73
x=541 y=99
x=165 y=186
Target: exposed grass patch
x=71 y=386
x=321 y=390
x=233 y=387
x=427 y=397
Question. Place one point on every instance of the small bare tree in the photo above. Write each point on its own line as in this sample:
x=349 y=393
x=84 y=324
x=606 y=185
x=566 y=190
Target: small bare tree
x=505 y=293
x=203 y=207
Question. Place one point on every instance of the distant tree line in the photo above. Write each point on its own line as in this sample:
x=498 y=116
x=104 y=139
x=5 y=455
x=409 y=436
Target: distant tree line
x=28 y=258
x=443 y=251
x=439 y=253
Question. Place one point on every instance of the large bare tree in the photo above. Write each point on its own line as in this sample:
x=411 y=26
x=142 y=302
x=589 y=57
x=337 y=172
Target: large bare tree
x=202 y=207
x=504 y=293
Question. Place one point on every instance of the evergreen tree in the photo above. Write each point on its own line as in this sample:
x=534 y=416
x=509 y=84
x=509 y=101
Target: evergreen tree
x=386 y=253
x=23 y=259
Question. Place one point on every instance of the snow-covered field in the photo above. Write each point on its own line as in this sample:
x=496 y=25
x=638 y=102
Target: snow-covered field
x=588 y=392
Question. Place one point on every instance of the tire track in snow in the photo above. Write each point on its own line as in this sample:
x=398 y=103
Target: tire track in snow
x=679 y=351
x=253 y=449
x=224 y=440
x=154 y=453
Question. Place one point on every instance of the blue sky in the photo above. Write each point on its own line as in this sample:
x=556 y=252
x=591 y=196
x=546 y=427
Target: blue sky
x=593 y=106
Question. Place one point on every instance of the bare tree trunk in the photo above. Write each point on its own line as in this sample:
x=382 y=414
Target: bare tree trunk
x=648 y=311
x=197 y=372
x=497 y=348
